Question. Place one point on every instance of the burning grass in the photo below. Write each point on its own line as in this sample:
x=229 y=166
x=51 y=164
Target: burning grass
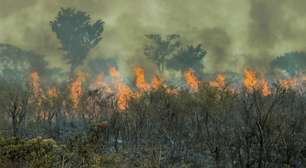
x=199 y=123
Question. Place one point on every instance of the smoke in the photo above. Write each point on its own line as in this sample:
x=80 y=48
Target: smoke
x=218 y=44
x=271 y=31
x=237 y=34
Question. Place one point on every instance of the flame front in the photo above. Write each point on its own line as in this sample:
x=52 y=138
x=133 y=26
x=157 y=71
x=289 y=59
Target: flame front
x=263 y=85
x=219 y=82
x=76 y=90
x=288 y=83
x=123 y=94
x=250 y=80
x=140 y=81
x=36 y=85
x=156 y=82
x=191 y=80
x=99 y=83
x=123 y=91
x=114 y=74
x=52 y=92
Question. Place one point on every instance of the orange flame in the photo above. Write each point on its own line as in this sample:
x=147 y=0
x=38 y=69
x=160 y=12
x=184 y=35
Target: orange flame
x=123 y=90
x=101 y=84
x=140 y=81
x=156 y=82
x=123 y=94
x=288 y=83
x=263 y=85
x=219 y=82
x=249 y=80
x=52 y=92
x=191 y=80
x=99 y=80
x=76 y=90
x=36 y=84
x=114 y=74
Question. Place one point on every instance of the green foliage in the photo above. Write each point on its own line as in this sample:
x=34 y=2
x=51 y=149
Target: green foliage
x=17 y=64
x=76 y=34
x=32 y=153
x=188 y=57
x=159 y=49
x=292 y=63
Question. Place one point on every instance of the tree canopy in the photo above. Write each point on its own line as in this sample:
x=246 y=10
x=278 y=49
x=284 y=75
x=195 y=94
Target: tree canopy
x=188 y=57
x=292 y=63
x=17 y=63
x=159 y=49
x=77 y=34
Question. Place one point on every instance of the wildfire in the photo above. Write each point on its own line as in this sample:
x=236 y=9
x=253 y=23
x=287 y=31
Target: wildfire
x=288 y=83
x=156 y=82
x=52 y=92
x=263 y=85
x=99 y=80
x=249 y=80
x=191 y=80
x=114 y=74
x=140 y=81
x=76 y=90
x=36 y=84
x=123 y=91
x=123 y=94
x=219 y=82
x=101 y=84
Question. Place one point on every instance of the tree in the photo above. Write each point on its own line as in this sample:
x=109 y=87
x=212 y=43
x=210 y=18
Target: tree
x=76 y=34
x=14 y=101
x=18 y=63
x=159 y=50
x=292 y=63
x=188 y=57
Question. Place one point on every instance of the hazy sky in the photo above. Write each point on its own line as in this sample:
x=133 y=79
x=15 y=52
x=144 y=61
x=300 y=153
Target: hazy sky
x=236 y=33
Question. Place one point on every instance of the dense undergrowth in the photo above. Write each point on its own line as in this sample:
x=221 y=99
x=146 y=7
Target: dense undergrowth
x=212 y=127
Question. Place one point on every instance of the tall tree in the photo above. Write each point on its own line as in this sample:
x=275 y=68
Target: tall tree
x=77 y=35
x=188 y=57
x=159 y=49
x=291 y=63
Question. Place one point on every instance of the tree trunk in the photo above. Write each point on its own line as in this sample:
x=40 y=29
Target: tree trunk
x=14 y=125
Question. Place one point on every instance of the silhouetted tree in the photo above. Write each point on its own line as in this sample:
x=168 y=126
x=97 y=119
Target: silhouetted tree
x=15 y=102
x=76 y=34
x=188 y=57
x=17 y=63
x=292 y=63
x=159 y=50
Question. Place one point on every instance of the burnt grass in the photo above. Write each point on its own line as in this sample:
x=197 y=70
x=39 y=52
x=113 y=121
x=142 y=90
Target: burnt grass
x=208 y=128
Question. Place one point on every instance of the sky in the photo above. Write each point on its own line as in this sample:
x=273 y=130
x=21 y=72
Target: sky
x=237 y=34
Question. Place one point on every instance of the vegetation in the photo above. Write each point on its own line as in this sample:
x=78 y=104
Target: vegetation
x=112 y=122
x=76 y=34
x=212 y=126
x=159 y=50
x=291 y=63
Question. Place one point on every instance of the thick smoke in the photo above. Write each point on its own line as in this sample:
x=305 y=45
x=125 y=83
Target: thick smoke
x=237 y=34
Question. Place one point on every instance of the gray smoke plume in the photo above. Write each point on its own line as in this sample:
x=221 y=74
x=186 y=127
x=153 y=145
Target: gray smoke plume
x=237 y=34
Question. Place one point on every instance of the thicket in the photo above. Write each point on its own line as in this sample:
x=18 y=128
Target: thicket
x=212 y=126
